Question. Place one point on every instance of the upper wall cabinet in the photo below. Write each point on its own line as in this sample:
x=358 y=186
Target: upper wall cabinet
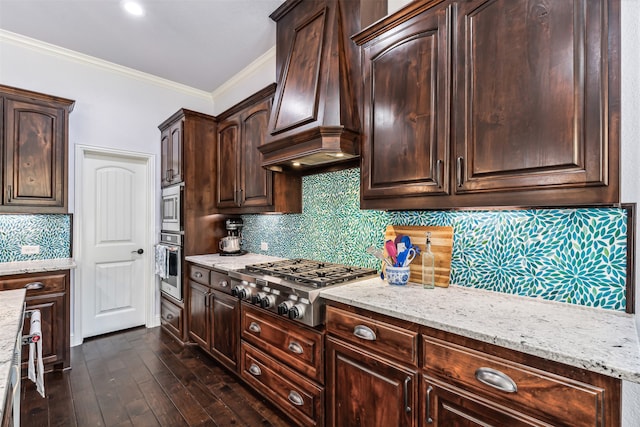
x=492 y=103
x=244 y=186
x=34 y=145
x=315 y=119
x=171 y=154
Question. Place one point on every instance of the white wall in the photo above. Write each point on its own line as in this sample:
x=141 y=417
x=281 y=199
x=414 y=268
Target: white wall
x=115 y=108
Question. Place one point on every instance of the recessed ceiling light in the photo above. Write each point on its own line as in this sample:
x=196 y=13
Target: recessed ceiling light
x=134 y=8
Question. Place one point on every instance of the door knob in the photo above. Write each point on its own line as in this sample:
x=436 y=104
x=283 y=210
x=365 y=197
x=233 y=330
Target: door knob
x=139 y=251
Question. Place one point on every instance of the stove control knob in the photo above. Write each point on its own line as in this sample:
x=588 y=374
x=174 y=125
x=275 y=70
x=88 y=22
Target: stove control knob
x=268 y=301
x=258 y=298
x=236 y=291
x=244 y=293
x=283 y=307
x=297 y=311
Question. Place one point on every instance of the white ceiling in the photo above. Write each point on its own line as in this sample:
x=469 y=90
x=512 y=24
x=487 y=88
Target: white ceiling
x=198 y=43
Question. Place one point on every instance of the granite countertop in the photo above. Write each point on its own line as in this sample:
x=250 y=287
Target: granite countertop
x=598 y=340
x=10 y=323
x=36 y=266
x=228 y=263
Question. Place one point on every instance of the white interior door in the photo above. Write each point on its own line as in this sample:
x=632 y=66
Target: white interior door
x=114 y=223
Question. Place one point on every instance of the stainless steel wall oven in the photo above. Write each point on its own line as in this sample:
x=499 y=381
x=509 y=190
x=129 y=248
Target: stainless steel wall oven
x=169 y=264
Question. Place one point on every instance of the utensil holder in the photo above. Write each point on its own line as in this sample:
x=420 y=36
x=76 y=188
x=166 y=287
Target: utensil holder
x=397 y=276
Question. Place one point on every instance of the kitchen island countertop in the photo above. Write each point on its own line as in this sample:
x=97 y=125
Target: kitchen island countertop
x=228 y=263
x=10 y=322
x=36 y=266
x=598 y=340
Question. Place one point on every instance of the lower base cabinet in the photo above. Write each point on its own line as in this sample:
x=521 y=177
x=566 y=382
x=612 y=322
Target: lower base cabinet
x=49 y=293
x=446 y=405
x=171 y=318
x=373 y=379
x=213 y=315
x=369 y=390
x=300 y=398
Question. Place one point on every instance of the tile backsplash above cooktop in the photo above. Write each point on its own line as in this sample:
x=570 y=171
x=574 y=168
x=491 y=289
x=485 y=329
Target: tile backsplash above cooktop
x=577 y=256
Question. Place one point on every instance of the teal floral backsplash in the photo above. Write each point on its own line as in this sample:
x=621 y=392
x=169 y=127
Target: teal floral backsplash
x=51 y=232
x=576 y=256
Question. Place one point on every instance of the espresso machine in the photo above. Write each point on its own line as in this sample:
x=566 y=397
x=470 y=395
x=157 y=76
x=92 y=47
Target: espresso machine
x=231 y=244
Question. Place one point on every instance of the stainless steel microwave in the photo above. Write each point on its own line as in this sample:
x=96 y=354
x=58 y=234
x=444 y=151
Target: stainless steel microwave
x=172 y=207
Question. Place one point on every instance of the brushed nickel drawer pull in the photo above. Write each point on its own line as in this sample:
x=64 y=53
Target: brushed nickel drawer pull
x=405 y=392
x=33 y=286
x=296 y=348
x=169 y=316
x=254 y=327
x=496 y=379
x=364 y=332
x=255 y=370
x=429 y=419
x=295 y=398
x=197 y=274
x=224 y=284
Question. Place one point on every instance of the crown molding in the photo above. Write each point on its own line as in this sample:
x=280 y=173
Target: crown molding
x=43 y=47
x=245 y=72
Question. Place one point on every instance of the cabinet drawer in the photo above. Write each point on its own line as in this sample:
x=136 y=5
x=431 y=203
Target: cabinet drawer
x=300 y=348
x=539 y=393
x=300 y=398
x=220 y=282
x=376 y=335
x=171 y=318
x=199 y=274
x=49 y=283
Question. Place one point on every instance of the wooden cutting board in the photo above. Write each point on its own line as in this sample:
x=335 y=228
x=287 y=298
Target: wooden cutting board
x=441 y=246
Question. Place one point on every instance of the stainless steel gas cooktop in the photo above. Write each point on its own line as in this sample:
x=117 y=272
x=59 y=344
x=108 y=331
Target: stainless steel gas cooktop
x=291 y=287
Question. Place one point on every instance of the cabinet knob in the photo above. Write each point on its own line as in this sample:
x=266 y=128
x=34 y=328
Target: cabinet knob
x=198 y=274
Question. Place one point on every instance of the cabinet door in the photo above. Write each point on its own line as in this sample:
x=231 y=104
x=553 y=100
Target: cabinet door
x=256 y=182
x=165 y=157
x=171 y=318
x=367 y=390
x=224 y=328
x=34 y=158
x=449 y=406
x=175 y=160
x=531 y=95
x=199 y=297
x=52 y=319
x=406 y=71
x=228 y=155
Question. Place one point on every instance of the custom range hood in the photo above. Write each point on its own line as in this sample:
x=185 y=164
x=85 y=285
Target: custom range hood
x=315 y=118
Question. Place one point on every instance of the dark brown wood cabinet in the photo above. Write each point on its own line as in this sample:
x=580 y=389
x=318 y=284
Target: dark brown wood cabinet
x=188 y=156
x=446 y=405
x=368 y=389
x=244 y=186
x=49 y=293
x=213 y=315
x=284 y=360
x=375 y=376
x=34 y=142
x=171 y=154
x=372 y=374
x=492 y=103
x=172 y=317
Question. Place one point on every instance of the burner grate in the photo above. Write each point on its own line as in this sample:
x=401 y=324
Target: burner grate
x=313 y=273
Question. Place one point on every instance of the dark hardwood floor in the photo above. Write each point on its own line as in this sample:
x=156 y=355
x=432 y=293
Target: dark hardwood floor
x=142 y=377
